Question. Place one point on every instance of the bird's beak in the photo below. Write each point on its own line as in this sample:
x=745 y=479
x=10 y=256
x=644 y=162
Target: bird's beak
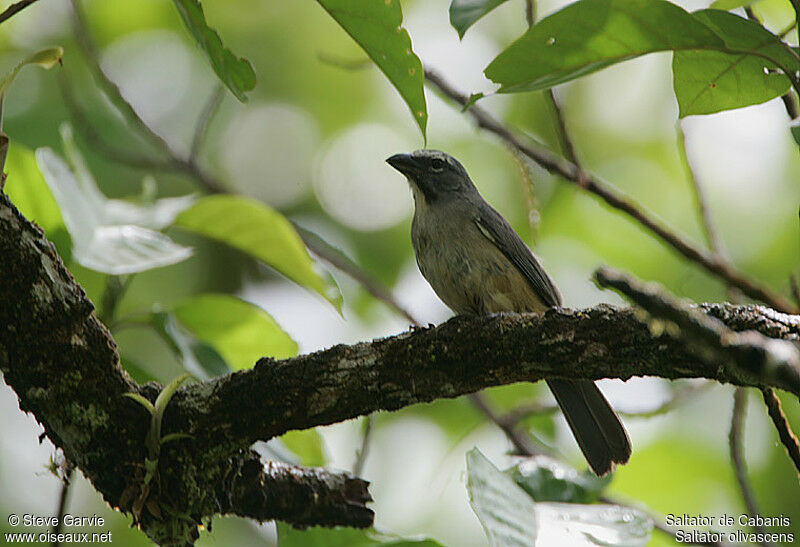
x=406 y=164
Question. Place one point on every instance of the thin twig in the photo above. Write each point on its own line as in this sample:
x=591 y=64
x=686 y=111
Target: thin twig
x=530 y=12
x=680 y=395
x=714 y=264
x=13 y=9
x=567 y=148
x=204 y=121
x=712 y=237
x=789 y=28
x=62 y=507
x=737 y=457
x=522 y=443
x=782 y=425
x=366 y=437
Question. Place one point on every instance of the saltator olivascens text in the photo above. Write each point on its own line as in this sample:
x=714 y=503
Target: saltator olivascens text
x=477 y=264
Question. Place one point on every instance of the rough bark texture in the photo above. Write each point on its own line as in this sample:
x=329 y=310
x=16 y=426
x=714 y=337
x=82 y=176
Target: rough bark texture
x=63 y=365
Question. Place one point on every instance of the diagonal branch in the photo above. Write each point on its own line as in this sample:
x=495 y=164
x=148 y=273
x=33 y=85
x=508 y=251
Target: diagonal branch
x=712 y=262
x=15 y=8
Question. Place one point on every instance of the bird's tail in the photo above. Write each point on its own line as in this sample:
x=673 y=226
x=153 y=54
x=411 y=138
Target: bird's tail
x=596 y=427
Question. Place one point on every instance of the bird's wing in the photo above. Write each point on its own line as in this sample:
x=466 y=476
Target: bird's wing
x=502 y=235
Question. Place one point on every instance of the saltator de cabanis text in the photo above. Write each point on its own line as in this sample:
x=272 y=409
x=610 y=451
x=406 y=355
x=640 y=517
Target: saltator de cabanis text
x=477 y=264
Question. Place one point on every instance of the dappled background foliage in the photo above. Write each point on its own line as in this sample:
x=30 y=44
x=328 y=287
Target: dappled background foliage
x=310 y=141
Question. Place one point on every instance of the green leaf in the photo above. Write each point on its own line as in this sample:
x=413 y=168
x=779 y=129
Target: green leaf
x=795 y=129
x=235 y=72
x=375 y=25
x=45 y=58
x=197 y=358
x=592 y=34
x=465 y=13
x=547 y=479
x=343 y=537
x=263 y=233
x=710 y=81
x=241 y=332
x=307 y=445
x=506 y=512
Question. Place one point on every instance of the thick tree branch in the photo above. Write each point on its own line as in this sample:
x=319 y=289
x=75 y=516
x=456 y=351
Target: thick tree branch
x=63 y=365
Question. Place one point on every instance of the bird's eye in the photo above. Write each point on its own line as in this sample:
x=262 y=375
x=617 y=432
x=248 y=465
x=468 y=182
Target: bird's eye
x=437 y=164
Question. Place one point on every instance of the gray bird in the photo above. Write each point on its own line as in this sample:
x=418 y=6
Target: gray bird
x=477 y=264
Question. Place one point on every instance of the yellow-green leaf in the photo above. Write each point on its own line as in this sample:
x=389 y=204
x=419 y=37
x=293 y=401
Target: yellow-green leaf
x=239 y=331
x=263 y=233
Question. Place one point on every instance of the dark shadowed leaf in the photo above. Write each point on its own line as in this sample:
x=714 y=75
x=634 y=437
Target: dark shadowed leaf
x=197 y=358
x=375 y=25
x=506 y=512
x=241 y=332
x=235 y=72
x=263 y=233
x=592 y=34
x=547 y=479
x=464 y=13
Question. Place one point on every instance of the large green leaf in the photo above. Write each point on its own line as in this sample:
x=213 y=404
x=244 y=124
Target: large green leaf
x=241 y=332
x=710 y=81
x=597 y=524
x=376 y=26
x=235 y=72
x=592 y=34
x=260 y=231
x=464 y=13
x=506 y=512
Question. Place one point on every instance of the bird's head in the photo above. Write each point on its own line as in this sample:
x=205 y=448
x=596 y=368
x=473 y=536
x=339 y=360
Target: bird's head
x=434 y=174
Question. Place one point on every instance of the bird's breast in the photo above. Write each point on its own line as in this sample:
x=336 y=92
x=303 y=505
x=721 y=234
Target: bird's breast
x=468 y=272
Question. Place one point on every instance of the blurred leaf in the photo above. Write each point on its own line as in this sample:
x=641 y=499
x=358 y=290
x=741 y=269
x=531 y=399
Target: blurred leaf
x=156 y=215
x=110 y=249
x=235 y=72
x=504 y=509
x=45 y=58
x=26 y=187
x=548 y=479
x=263 y=233
x=376 y=26
x=464 y=13
x=593 y=34
x=197 y=358
x=343 y=537
x=307 y=445
x=605 y=525
x=137 y=371
x=241 y=332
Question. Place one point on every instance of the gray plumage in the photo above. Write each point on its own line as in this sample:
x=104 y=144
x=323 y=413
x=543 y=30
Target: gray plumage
x=477 y=264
